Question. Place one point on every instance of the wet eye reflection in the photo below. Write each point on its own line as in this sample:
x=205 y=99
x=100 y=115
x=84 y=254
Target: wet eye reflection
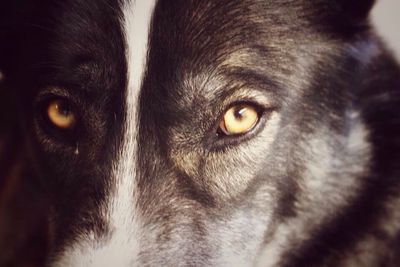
x=60 y=114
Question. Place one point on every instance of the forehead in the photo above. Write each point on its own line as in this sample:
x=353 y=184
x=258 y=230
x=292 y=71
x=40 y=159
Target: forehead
x=87 y=37
x=77 y=45
x=217 y=32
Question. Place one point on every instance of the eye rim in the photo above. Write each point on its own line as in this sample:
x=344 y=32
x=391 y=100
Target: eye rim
x=66 y=136
x=61 y=104
x=219 y=141
x=224 y=132
x=258 y=108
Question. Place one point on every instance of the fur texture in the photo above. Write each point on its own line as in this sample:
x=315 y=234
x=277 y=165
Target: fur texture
x=146 y=178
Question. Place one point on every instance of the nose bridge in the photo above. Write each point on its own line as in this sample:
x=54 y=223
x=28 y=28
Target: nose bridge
x=124 y=221
x=121 y=246
x=136 y=20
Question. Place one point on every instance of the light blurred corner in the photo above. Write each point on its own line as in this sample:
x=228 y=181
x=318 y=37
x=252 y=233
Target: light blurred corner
x=386 y=17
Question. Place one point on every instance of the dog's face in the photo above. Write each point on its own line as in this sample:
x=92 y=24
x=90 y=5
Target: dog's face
x=191 y=132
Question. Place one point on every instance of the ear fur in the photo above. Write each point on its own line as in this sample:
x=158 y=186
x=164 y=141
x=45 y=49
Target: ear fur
x=345 y=17
x=356 y=10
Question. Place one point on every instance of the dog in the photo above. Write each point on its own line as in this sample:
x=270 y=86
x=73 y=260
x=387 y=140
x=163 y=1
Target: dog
x=198 y=133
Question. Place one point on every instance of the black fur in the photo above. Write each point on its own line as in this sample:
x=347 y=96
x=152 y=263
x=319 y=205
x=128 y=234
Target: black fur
x=309 y=58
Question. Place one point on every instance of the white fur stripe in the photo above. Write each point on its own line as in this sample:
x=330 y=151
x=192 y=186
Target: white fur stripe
x=122 y=247
x=137 y=19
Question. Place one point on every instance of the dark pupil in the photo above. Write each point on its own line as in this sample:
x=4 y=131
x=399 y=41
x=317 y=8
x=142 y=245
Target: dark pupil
x=239 y=112
x=63 y=109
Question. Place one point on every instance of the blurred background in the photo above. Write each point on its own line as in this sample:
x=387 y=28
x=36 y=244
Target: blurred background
x=386 y=17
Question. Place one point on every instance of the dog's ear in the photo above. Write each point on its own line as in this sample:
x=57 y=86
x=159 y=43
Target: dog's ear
x=355 y=10
x=341 y=16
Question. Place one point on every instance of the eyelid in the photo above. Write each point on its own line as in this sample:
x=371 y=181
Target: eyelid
x=42 y=101
x=53 y=92
x=259 y=113
x=261 y=98
x=257 y=98
x=50 y=93
x=63 y=122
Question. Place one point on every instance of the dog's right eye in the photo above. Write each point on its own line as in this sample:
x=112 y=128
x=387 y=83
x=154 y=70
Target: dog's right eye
x=60 y=114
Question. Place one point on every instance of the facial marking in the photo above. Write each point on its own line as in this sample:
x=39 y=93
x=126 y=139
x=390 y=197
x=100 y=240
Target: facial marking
x=121 y=246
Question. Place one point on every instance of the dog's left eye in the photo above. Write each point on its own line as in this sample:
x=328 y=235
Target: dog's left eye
x=239 y=119
x=60 y=114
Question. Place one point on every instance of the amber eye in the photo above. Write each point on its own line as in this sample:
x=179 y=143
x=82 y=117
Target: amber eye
x=239 y=119
x=60 y=114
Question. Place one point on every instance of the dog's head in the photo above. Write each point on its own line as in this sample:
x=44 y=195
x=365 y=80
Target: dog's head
x=190 y=132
